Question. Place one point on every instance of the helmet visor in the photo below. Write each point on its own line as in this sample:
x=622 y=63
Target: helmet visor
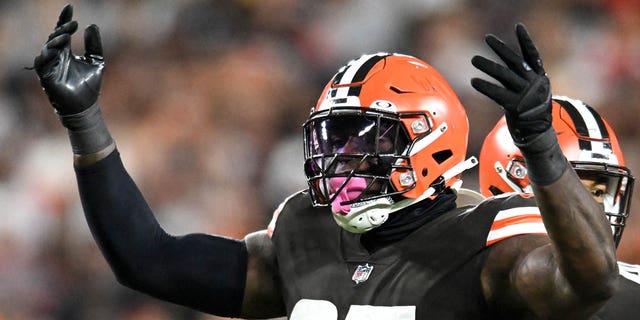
x=351 y=134
x=351 y=145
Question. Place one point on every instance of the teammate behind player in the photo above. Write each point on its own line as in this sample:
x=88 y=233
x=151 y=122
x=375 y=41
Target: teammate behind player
x=590 y=145
x=383 y=147
x=592 y=148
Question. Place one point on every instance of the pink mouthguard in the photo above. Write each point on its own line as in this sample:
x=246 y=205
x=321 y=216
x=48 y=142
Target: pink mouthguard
x=351 y=190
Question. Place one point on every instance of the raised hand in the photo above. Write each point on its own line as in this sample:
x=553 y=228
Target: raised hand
x=526 y=92
x=72 y=83
x=525 y=95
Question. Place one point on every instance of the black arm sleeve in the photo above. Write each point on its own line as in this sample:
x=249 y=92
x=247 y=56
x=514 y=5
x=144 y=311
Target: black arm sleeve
x=204 y=272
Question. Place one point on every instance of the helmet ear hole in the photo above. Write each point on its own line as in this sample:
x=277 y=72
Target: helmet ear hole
x=495 y=190
x=425 y=172
x=442 y=156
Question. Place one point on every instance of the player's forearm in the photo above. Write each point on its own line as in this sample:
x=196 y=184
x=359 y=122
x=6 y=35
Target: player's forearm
x=201 y=271
x=119 y=218
x=580 y=234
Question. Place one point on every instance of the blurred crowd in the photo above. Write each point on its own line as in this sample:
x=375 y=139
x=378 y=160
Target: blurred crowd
x=206 y=99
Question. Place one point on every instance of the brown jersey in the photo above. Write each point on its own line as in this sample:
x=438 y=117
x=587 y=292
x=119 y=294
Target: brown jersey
x=625 y=303
x=432 y=273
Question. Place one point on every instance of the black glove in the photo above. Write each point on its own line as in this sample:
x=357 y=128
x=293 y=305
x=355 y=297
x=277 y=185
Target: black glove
x=526 y=99
x=526 y=96
x=72 y=83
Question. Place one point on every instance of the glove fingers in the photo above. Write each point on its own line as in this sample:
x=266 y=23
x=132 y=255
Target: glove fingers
x=49 y=52
x=69 y=27
x=65 y=15
x=514 y=61
x=59 y=42
x=93 y=43
x=510 y=58
x=529 y=50
x=496 y=93
x=505 y=76
x=43 y=58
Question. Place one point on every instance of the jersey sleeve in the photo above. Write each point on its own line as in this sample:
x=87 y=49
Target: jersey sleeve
x=202 y=271
x=518 y=216
x=629 y=271
x=276 y=213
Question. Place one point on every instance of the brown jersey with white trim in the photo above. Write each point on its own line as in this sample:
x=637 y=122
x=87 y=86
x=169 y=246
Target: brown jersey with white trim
x=433 y=273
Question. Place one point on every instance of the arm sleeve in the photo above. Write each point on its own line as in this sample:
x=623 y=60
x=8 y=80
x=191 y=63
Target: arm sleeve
x=204 y=272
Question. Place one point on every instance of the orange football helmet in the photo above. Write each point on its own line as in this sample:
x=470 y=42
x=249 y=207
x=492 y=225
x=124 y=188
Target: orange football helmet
x=387 y=131
x=588 y=142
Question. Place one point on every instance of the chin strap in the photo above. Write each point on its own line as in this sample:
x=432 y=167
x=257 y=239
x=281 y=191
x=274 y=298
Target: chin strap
x=368 y=215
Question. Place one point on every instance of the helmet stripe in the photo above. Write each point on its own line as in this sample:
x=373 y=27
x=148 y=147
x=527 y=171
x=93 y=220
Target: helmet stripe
x=603 y=129
x=578 y=122
x=361 y=74
x=588 y=124
x=356 y=69
x=337 y=78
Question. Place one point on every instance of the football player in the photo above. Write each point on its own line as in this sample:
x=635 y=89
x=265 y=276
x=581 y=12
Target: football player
x=592 y=148
x=377 y=235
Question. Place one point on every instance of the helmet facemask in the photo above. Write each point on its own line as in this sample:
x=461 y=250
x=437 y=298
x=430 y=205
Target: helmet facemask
x=616 y=186
x=350 y=154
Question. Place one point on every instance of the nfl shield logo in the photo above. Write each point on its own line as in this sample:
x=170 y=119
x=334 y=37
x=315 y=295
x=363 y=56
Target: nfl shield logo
x=362 y=273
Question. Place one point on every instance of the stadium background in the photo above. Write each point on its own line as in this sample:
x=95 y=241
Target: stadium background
x=206 y=100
